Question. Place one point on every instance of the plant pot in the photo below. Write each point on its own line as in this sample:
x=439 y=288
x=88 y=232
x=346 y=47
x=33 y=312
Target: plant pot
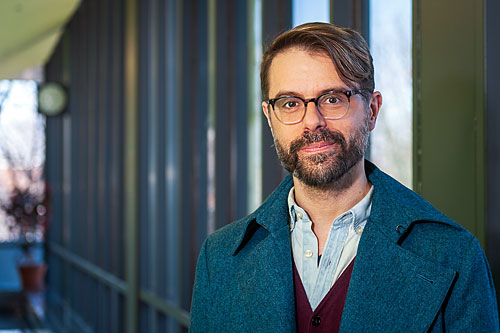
x=32 y=276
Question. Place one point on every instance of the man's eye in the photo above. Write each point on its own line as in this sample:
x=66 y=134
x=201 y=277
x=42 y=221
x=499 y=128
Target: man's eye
x=332 y=100
x=291 y=104
x=288 y=104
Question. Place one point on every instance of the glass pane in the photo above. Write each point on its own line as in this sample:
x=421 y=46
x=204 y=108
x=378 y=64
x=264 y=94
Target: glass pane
x=22 y=155
x=310 y=11
x=254 y=134
x=391 y=45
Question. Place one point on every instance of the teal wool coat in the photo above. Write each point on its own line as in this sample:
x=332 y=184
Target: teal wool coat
x=415 y=271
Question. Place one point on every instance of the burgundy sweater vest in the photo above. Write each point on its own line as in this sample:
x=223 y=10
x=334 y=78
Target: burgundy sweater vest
x=327 y=316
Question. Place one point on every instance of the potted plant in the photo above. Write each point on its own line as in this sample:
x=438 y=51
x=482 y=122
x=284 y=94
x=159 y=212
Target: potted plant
x=26 y=212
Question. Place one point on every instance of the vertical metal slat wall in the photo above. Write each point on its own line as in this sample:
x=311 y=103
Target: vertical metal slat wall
x=86 y=233
x=150 y=157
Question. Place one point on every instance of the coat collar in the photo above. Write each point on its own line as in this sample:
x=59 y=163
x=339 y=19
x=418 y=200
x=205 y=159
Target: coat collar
x=272 y=215
x=394 y=208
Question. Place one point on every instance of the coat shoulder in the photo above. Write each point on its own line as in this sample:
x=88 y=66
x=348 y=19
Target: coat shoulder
x=225 y=239
x=445 y=243
x=418 y=226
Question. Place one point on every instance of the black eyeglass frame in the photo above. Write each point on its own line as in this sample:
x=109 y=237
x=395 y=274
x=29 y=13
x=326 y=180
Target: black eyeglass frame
x=348 y=93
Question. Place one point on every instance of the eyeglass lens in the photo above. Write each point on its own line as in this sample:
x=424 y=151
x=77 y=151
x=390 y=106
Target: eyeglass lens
x=291 y=109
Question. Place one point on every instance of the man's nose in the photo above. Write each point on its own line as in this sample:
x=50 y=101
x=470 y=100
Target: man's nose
x=313 y=119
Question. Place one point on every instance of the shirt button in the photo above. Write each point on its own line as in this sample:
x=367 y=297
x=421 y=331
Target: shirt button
x=359 y=230
x=308 y=253
x=299 y=215
x=316 y=320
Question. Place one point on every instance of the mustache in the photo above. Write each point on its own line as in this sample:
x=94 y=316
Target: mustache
x=322 y=134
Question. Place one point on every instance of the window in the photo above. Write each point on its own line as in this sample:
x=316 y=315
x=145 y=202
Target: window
x=391 y=45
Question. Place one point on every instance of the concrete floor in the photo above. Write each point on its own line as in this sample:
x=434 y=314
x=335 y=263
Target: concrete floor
x=11 y=311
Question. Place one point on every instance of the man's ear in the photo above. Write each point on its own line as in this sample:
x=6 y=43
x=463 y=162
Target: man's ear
x=266 y=110
x=375 y=105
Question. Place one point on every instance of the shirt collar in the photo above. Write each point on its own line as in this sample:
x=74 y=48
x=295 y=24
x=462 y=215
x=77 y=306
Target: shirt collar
x=360 y=211
x=292 y=208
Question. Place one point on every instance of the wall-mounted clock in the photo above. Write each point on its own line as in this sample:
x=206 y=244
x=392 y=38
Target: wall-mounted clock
x=52 y=98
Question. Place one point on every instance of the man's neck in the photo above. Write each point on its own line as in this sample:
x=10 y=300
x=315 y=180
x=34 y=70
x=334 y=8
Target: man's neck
x=324 y=204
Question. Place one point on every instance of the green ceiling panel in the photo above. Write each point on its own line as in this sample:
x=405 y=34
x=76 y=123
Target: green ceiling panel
x=29 y=31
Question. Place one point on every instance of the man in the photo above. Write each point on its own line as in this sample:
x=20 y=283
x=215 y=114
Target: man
x=339 y=245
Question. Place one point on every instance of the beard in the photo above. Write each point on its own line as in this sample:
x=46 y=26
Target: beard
x=331 y=168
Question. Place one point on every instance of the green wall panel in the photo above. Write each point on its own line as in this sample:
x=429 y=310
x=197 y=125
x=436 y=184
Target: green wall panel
x=449 y=109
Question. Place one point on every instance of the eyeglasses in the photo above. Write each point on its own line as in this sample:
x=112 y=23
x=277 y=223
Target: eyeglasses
x=332 y=105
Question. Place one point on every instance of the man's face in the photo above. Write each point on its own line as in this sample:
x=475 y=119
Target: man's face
x=317 y=151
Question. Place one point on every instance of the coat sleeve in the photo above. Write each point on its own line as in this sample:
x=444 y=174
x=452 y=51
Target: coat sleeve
x=472 y=305
x=200 y=304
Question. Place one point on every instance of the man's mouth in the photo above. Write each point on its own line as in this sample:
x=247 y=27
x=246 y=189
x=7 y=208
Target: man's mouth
x=317 y=147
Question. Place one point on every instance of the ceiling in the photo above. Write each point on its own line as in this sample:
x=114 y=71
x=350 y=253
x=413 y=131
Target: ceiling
x=29 y=31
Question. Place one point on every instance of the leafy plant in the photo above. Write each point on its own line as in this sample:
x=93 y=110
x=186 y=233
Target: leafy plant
x=26 y=212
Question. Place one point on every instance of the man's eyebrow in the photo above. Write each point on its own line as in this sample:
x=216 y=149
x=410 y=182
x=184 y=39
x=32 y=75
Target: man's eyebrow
x=294 y=93
x=287 y=93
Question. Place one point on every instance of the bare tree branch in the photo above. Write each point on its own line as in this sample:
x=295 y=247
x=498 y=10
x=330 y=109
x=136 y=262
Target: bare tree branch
x=5 y=95
x=18 y=160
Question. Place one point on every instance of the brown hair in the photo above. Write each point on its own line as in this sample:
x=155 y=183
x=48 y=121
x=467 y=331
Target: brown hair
x=347 y=49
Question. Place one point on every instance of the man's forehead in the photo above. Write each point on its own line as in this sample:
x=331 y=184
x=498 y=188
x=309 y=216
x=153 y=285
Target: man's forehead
x=293 y=69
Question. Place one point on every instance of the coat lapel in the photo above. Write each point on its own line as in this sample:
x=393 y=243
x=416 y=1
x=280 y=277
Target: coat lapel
x=264 y=278
x=264 y=265
x=390 y=285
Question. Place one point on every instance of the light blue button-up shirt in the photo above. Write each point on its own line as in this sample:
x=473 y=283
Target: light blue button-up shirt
x=340 y=247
